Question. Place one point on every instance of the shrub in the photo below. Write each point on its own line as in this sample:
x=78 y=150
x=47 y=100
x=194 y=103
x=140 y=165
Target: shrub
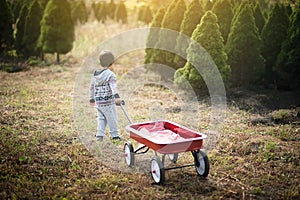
x=209 y=36
x=57 y=29
x=191 y=19
x=172 y=20
x=121 y=13
x=243 y=48
x=273 y=35
x=6 y=21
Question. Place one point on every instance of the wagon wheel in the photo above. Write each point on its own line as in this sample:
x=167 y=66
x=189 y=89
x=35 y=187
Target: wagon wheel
x=173 y=157
x=201 y=163
x=129 y=154
x=157 y=170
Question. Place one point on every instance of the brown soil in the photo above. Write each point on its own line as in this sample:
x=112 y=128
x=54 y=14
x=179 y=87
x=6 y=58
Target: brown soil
x=42 y=155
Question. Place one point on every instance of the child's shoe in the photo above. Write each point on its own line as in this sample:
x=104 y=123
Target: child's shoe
x=117 y=138
x=99 y=138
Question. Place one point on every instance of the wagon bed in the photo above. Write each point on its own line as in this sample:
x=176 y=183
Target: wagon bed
x=191 y=140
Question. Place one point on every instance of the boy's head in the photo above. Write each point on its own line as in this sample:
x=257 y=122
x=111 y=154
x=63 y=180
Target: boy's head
x=106 y=58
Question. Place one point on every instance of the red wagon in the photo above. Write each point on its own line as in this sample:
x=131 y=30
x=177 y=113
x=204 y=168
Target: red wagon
x=167 y=138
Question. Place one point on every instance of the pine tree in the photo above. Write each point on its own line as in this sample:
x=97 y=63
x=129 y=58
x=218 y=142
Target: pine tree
x=273 y=35
x=289 y=9
x=101 y=11
x=238 y=6
x=191 y=19
x=43 y=3
x=94 y=9
x=208 y=35
x=57 y=29
x=287 y=65
x=148 y=16
x=157 y=4
x=153 y=35
x=208 y=5
x=172 y=20
x=6 y=22
x=264 y=4
x=111 y=8
x=224 y=12
x=259 y=17
x=141 y=11
x=121 y=13
x=32 y=29
x=19 y=40
x=243 y=48
x=79 y=12
x=145 y=14
x=16 y=7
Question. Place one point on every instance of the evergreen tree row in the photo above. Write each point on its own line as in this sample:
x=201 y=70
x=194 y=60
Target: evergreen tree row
x=145 y=14
x=40 y=26
x=103 y=11
x=251 y=42
x=36 y=27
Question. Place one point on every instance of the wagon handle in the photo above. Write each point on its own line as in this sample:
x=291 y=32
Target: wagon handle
x=125 y=112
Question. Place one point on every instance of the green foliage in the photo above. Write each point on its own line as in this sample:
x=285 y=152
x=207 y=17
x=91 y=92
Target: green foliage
x=238 y=6
x=273 y=35
x=208 y=5
x=43 y=3
x=157 y=20
x=157 y=4
x=100 y=11
x=289 y=10
x=174 y=15
x=16 y=7
x=6 y=21
x=191 y=19
x=224 y=12
x=243 y=48
x=153 y=35
x=79 y=12
x=264 y=4
x=209 y=36
x=111 y=8
x=287 y=66
x=57 y=29
x=19 y=40
x=259 y=17
x=121 y=13
x=32 y=29
x=145 y=14
x=172 y=20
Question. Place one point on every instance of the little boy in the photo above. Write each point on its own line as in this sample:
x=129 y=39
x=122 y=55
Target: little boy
x=104 y=94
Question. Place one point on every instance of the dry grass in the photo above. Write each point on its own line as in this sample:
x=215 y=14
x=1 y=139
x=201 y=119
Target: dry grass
x=42 y=156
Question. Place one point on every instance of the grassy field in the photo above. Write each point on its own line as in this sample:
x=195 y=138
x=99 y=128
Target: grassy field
x=42 y=156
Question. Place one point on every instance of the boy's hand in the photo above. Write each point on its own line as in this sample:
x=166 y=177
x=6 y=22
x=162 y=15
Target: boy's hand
x=118 y=101
x=92 y=102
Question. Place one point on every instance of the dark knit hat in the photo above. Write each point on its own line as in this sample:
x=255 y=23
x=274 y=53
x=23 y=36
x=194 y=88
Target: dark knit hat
x=106 y=58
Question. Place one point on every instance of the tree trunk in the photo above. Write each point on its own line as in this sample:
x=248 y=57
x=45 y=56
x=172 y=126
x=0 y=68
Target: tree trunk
x=57 y=58
x=42 y=55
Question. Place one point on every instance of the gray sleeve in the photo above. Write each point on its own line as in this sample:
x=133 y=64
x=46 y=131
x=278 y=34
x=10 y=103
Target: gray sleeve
x=113 y=84
x=92 y=88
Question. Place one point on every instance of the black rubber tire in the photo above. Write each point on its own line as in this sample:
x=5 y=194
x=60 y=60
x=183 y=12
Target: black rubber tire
x=157 y=171
x=201 y=163
x=129 y=154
